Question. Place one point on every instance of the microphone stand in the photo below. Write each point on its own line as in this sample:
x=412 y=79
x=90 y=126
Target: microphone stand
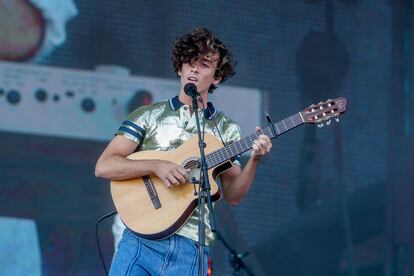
x=204 y=194
x=236 y=259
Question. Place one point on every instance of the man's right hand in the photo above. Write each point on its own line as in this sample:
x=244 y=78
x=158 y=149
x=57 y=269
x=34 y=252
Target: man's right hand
x=170 y=173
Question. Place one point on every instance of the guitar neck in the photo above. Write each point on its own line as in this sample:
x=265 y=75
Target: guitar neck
x=226 y=153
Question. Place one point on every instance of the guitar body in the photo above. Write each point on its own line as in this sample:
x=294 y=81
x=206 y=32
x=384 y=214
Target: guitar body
x=133 y=201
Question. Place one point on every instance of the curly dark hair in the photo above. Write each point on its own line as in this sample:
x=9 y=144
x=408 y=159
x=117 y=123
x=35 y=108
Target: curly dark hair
x=201 y=41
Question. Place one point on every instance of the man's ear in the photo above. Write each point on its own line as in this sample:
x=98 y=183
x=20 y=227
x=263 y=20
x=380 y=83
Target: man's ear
x=217 y=80
x=179 y=73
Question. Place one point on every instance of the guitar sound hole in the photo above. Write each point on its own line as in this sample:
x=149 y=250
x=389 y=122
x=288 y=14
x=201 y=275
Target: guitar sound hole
x=191 y=164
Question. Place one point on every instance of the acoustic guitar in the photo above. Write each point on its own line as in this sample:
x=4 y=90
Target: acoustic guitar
x=153 y=211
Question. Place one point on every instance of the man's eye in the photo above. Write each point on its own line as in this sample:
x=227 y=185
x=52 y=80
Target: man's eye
x=206 y=65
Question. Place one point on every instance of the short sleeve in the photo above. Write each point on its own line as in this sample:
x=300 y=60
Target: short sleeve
x=233 y=134
x=136 y=125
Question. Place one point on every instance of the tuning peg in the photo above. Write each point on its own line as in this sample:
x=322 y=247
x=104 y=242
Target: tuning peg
x=320 y=125
x=337 y=119
x=328 y=122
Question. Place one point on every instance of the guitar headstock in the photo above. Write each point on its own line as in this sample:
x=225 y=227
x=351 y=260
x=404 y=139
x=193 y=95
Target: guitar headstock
x=324 y=111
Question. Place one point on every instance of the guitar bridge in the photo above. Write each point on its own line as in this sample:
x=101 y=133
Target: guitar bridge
x=152 y=192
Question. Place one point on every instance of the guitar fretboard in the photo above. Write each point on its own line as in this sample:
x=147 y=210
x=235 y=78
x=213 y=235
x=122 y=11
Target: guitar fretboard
x=226 y=153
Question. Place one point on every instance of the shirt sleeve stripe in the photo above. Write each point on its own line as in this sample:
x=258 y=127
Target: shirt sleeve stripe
x=131 y=132
x=133 y=129
x=237 y=160
x=137 y=127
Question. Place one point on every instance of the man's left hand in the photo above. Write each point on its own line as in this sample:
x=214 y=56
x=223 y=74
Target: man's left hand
x=261 y=146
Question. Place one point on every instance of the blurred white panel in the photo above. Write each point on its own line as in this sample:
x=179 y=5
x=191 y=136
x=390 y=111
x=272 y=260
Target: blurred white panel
x=91 y=105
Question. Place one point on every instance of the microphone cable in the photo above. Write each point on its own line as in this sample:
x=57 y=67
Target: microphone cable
x=98 y=244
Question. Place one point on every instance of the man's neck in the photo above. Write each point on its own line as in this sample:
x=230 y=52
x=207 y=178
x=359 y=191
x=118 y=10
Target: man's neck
x=185 y=99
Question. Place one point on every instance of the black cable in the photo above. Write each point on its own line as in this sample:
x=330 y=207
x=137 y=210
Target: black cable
x=97 y=237
x=217 y=128
x=345 y=212
x=204 y=120
x=215 y=122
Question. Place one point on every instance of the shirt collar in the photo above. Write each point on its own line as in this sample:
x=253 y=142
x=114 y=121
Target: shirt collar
x=209 y=113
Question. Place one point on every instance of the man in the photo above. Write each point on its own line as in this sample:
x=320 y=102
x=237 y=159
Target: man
x=198 y=58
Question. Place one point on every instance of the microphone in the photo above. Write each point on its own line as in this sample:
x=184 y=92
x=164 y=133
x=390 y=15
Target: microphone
x=191 y=90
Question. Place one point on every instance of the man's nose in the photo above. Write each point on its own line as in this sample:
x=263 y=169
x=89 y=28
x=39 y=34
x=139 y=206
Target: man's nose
x=194 y=67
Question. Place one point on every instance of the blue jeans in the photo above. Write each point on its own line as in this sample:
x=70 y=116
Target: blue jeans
x=175 y=255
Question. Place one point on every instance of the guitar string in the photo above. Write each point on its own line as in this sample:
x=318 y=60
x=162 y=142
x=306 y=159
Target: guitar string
x=222 y=154
x=219 y=155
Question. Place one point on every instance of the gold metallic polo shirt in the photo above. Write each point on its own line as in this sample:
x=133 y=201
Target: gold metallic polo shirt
x=167 y=125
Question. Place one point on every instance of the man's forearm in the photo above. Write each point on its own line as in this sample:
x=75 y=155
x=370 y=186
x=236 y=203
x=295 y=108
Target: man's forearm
x=235 y=191
x=117 y=167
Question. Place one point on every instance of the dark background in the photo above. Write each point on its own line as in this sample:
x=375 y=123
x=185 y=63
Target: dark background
x=336 y=200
